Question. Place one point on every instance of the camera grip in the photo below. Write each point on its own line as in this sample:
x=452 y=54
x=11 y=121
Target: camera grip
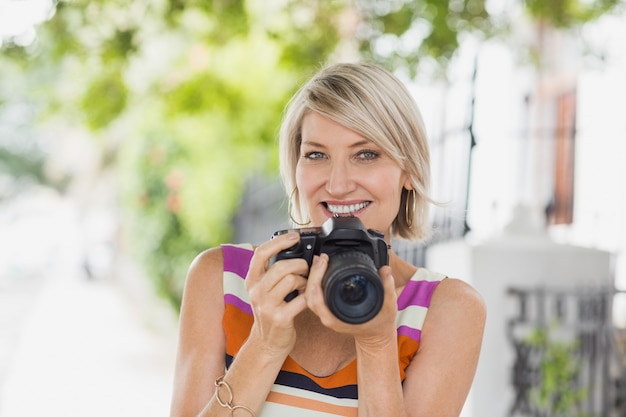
x=293 y=294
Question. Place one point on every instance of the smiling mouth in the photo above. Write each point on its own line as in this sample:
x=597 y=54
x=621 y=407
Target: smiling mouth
x=346 y=209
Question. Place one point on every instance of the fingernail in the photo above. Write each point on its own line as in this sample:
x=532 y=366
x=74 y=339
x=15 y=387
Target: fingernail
x=320 y=259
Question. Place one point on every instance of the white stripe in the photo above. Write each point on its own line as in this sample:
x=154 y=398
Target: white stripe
x=315 y=396
x=280 y=410
x=426 y=275
x=234 y=284
x=412 y=316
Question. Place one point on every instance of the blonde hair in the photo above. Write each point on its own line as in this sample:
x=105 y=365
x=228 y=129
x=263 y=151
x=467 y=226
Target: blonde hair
x=372 y=102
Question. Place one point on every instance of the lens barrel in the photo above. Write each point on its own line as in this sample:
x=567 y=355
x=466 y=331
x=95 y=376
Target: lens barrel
x=353 y=290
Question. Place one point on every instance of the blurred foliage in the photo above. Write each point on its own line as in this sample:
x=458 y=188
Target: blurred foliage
x=22 y=156
x=104 y=100
x=26 y=168
x=408 y=33
x=189 y=93
x=558 y=392
x=568 y=13
x=401 y=33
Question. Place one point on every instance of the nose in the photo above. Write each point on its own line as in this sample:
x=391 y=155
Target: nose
x=340 y=180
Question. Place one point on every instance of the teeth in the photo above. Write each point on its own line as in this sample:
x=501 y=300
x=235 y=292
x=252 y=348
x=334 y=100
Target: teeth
x=346 y=208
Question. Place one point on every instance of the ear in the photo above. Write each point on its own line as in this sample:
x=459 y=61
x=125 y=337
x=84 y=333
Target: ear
x=408 y=184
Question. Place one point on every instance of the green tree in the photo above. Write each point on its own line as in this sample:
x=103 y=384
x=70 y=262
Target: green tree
x=185 y=98
x=410 y=33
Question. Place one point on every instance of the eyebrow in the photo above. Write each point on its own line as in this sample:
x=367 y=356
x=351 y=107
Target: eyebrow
x=315 y=144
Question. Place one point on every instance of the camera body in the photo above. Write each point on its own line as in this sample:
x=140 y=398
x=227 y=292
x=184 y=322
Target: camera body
x=353 y=290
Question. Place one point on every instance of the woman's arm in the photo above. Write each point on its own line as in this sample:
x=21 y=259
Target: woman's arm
x=441 y=373
x=380 y=387
x=201 y=350
x=376 y=343
x=201 y=341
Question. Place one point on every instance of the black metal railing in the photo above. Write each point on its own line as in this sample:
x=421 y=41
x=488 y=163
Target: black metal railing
x=569 y=355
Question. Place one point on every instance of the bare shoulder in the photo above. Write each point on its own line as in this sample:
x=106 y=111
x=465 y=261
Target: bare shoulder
x=206 y=267
x=458 y=294
x=456 y=307
x=449 y=349
x=201 y=340
x=204 y=278
x=208 y=261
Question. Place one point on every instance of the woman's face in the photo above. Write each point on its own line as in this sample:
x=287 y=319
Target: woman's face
x=341 y=173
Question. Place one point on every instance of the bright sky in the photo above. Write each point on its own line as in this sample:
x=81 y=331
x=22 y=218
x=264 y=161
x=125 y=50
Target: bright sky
x=19 y=17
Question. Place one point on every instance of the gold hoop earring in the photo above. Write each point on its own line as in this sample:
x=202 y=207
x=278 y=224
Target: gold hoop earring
x=408 y=215
x=290 y=204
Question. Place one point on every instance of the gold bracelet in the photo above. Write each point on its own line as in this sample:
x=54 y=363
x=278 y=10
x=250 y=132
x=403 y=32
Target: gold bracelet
x=219 y=383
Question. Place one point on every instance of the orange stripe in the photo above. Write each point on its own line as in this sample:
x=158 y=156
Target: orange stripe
x=308 y=404
x=237 y=326
x=345 y=376
x=407 y=348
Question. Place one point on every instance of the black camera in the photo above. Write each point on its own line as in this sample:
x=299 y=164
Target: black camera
x=352 y=287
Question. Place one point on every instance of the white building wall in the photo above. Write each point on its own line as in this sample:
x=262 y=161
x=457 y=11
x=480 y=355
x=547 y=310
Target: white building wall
x=508 y=169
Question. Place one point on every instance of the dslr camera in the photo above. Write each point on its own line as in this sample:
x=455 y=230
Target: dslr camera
x=353 y=290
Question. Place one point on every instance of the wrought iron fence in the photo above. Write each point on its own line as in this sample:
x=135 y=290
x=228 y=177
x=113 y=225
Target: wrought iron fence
x=569 y=356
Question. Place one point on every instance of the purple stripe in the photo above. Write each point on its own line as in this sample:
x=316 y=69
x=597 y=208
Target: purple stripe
x=414 y=334
x=237 y=260
x=417 y=293
x=238 y=303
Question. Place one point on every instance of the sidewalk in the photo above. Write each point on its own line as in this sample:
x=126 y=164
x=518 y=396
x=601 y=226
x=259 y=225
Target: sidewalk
x=72 y=346
x=84 y=350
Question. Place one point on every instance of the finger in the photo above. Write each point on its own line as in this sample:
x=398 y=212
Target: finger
x=287 y=286
x=390 y=305
x=295 y=288
x=387 y=278
x=270 y=305
x=314 y=292
x=284 y=270
x=296 y=305
x=262 y=253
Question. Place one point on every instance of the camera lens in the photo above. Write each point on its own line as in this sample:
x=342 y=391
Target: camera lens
x=353 y=290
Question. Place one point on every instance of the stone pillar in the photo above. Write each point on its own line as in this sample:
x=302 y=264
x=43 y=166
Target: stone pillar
x=523 y=256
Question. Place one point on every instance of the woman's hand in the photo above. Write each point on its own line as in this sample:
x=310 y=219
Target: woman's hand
x=267 y=286
x=378 y=332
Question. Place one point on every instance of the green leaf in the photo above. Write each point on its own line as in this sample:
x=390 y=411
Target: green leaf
x=104 y=100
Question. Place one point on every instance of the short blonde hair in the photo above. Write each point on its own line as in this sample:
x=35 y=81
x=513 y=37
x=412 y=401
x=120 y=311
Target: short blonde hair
x=372 y=102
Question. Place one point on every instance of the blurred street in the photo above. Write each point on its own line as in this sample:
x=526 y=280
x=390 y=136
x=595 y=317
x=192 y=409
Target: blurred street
x=72 y=344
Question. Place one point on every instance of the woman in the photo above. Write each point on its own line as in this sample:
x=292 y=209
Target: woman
x=352 y=143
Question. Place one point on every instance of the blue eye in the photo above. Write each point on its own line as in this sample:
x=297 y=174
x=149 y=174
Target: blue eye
x=368 y=155
x=313 y=155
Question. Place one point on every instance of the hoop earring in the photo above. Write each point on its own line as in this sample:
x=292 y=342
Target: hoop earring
x=290 y=204
x=408 y=216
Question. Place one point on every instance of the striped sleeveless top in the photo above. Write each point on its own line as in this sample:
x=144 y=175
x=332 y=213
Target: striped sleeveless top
x=296 y=392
